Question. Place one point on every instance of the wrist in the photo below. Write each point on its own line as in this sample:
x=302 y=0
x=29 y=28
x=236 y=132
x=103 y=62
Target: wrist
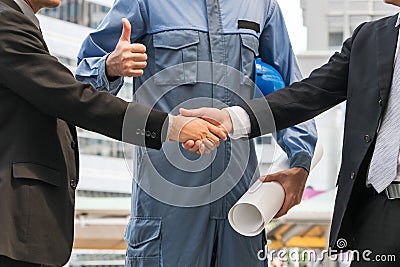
x=227 y=123
x=111 y=76
x=301 y=170
x=172 y=132
x=301 y=160
x=239 y=122
x=176 y=127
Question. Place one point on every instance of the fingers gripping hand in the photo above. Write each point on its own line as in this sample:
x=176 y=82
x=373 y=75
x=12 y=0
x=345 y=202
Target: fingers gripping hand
x=198 y=135
x=198 y=129
x=219 y=118
x=127 y=59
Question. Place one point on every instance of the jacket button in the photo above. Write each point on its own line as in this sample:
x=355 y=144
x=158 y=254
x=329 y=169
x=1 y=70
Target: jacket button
x=72 y=183
x=380 y=102
x=352 y=176
x=148 y=133
x=153 y=135
x=367 y=138
x=74 y=145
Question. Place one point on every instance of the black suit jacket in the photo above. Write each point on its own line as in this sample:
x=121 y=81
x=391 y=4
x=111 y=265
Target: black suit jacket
x=361 y=74
x=40 y=101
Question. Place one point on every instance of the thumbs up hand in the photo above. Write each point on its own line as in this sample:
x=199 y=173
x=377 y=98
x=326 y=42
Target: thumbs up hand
x=127 y=59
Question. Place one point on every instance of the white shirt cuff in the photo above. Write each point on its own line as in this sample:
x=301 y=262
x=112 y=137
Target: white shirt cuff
x=240 y=122
x=170 y=119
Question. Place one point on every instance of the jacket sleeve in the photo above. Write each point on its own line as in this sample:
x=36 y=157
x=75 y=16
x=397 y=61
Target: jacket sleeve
x=275 y=49
x=27 y=69
x=301 y=101
x=96 y=47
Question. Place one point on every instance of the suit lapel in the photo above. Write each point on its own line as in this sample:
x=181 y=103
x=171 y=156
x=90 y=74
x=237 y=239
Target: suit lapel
x=11 y=4
x=43 y=41
x=386 y=38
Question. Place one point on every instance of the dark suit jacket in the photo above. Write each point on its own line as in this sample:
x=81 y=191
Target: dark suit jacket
x=361 y=74
x=40 y=101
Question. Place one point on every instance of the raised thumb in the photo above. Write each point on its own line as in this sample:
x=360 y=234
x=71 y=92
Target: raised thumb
x=126 y=30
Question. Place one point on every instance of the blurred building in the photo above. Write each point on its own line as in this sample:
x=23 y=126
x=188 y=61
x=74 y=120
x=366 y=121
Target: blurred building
x=329 y=22
x=82 y=12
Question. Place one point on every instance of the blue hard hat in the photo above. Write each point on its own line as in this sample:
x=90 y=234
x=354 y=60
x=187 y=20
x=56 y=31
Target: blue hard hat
x=267 y=79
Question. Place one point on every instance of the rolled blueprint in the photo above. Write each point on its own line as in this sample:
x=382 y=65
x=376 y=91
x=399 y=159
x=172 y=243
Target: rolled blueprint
x=258 y=206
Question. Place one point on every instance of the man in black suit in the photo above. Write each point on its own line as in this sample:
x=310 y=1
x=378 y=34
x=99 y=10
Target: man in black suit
x=366 y=73
x=40 y=102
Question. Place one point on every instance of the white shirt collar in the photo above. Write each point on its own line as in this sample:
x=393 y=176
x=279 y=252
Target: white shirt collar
x=28 y=11
x=397 y=49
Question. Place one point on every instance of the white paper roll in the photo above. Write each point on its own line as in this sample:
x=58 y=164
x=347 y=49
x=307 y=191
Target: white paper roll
x=258 y=206
x=318 y=153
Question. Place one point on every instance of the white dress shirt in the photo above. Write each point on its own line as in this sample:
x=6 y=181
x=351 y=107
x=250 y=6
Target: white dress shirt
x=395 y=60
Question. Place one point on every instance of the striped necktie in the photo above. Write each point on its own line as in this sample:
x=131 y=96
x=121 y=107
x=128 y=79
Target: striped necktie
x=383 y=167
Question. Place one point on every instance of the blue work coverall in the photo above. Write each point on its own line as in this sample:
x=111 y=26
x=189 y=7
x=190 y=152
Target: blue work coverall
x=227 y=32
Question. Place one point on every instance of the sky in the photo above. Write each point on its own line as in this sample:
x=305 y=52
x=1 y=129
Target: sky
x=294 y=22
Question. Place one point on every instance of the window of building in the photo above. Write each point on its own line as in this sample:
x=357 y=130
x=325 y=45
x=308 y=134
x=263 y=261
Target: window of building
x=335 y=39
x=81 y=12
x=264 y=140
x=89 y=145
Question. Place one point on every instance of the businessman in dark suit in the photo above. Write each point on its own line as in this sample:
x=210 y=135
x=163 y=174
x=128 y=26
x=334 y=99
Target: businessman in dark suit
x=40 y=102
x=366 y=73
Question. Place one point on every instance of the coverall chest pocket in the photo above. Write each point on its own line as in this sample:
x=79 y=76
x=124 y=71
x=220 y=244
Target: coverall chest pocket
x=176 y=57
x=144 y=242
x=249 y=50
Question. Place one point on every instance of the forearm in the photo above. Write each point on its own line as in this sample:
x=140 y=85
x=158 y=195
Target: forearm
x=104 y=40
x=46 y=84
x=301 y=101
x=93 y=70
x=299 y=143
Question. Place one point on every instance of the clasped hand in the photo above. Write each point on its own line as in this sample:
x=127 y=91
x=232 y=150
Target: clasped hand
x=200 y=130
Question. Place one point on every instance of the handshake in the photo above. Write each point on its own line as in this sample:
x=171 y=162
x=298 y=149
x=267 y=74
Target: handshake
x=201 y=129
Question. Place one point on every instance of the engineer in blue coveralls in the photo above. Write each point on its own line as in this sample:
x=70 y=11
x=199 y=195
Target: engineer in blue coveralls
x=229 y=32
